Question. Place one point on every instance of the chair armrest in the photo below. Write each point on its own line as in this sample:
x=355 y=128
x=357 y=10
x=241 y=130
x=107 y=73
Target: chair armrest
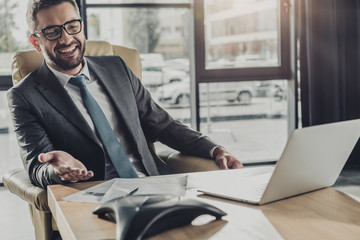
x=18 y=183
x=182 y=163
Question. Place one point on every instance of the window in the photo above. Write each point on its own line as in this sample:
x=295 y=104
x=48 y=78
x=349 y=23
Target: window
x=13 y=36
x=248 y=38
x=238 y=45
x=242 y=74
x=13 y=32
x=246 y=35
x=104 y=2
x=160 y=31
x=249 y=118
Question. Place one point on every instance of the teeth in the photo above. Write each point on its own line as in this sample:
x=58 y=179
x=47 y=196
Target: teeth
x=67 y=50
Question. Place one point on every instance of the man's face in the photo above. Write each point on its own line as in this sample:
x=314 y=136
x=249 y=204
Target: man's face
x=66 y=53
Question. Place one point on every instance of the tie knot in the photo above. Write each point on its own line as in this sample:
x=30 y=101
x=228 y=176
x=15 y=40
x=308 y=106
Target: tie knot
x=78 y=81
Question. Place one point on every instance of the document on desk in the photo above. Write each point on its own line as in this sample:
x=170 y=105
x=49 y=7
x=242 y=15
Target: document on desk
x=119 y=187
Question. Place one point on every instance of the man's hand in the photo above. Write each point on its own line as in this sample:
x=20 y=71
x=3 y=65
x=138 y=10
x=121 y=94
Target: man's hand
x=226 y=160
x=66 y=166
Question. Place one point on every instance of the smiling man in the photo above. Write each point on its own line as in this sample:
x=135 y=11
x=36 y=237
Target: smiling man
x=62 y=43
x=79 y=118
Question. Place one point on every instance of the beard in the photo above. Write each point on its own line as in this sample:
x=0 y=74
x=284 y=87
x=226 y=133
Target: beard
x=67 y=65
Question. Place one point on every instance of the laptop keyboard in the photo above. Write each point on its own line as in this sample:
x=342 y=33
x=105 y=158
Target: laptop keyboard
x=243 y=187
x=253 y=191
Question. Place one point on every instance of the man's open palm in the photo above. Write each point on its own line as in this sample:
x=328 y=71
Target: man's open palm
x=66 y=166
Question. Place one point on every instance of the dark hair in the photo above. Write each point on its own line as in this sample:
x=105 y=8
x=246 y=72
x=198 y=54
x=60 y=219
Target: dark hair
x=36 y=6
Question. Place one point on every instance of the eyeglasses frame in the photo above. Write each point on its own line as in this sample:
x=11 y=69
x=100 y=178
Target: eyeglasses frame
x=61 y=26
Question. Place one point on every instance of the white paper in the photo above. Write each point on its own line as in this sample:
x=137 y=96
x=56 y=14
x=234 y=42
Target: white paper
x=119 y=187
x=84 y=196
x=116 y=192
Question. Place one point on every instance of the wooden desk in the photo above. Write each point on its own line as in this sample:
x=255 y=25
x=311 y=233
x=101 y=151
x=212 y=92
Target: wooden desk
x=324 y=214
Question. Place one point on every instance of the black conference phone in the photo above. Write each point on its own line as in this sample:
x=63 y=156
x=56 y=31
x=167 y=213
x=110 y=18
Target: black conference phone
x=141 y=216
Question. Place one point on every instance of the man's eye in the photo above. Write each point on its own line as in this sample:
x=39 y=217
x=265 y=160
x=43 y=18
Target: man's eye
x=52 y=32
x=74 y=27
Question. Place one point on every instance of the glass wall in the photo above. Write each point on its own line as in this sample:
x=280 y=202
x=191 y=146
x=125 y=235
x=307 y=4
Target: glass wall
x=249 y=118
x=241 y=34
x=242 y=40
x=13 y=32
x=13 y=36
x=161 y=35
x=136 y=1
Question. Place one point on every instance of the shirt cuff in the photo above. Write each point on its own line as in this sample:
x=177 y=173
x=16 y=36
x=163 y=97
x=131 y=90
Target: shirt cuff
x=212 y=151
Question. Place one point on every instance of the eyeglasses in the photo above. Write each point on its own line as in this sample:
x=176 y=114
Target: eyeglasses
x=54 y=32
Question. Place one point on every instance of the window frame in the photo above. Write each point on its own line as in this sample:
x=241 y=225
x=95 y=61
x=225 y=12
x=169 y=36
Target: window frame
x=203 y=75
x=83 y=7
x=5 y=82
x=282 y=71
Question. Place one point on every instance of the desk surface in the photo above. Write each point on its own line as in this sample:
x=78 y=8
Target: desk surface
x=323 y=214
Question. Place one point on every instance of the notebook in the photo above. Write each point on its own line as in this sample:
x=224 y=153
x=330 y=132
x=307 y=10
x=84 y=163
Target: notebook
x=312 y=159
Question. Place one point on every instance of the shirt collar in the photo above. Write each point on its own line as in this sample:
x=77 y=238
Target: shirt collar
x=64 y=78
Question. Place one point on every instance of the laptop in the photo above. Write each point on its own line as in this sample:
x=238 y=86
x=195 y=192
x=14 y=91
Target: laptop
x=312 y=159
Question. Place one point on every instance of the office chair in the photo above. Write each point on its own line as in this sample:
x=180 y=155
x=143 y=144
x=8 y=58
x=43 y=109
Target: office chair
x=17 y=180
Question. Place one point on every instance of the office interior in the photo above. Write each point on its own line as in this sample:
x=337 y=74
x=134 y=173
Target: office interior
x=244 y=72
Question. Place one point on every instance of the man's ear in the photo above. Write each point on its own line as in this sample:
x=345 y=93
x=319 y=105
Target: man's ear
x=35 y=42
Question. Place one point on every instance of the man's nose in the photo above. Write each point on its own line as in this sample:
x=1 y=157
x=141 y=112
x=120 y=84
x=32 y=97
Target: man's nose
x=65 y=38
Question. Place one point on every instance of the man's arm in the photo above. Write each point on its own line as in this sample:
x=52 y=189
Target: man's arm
x=33 y=140
x=157 y=124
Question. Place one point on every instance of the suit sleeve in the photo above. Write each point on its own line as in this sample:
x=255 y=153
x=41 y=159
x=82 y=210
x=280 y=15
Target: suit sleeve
x=158 y=125
x=32 y=139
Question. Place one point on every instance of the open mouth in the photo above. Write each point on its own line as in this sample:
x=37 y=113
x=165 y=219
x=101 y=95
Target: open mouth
x=67 y=50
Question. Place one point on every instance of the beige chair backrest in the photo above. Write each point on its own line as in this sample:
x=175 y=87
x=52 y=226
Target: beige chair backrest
x=26 y=61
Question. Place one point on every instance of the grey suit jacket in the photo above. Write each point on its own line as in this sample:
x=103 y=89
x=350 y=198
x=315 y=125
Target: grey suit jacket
x=45 y=119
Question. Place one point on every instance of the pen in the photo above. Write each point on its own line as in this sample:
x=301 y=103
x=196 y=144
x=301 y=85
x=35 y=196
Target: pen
x=131 y=192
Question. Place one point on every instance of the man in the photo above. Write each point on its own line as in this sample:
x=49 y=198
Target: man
x=58 y=133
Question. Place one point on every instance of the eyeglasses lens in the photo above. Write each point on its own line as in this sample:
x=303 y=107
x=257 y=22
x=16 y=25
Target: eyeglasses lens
x=55 y=32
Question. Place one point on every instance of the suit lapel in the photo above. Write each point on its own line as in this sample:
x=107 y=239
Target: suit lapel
x=114 y=90
x=51 y=89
